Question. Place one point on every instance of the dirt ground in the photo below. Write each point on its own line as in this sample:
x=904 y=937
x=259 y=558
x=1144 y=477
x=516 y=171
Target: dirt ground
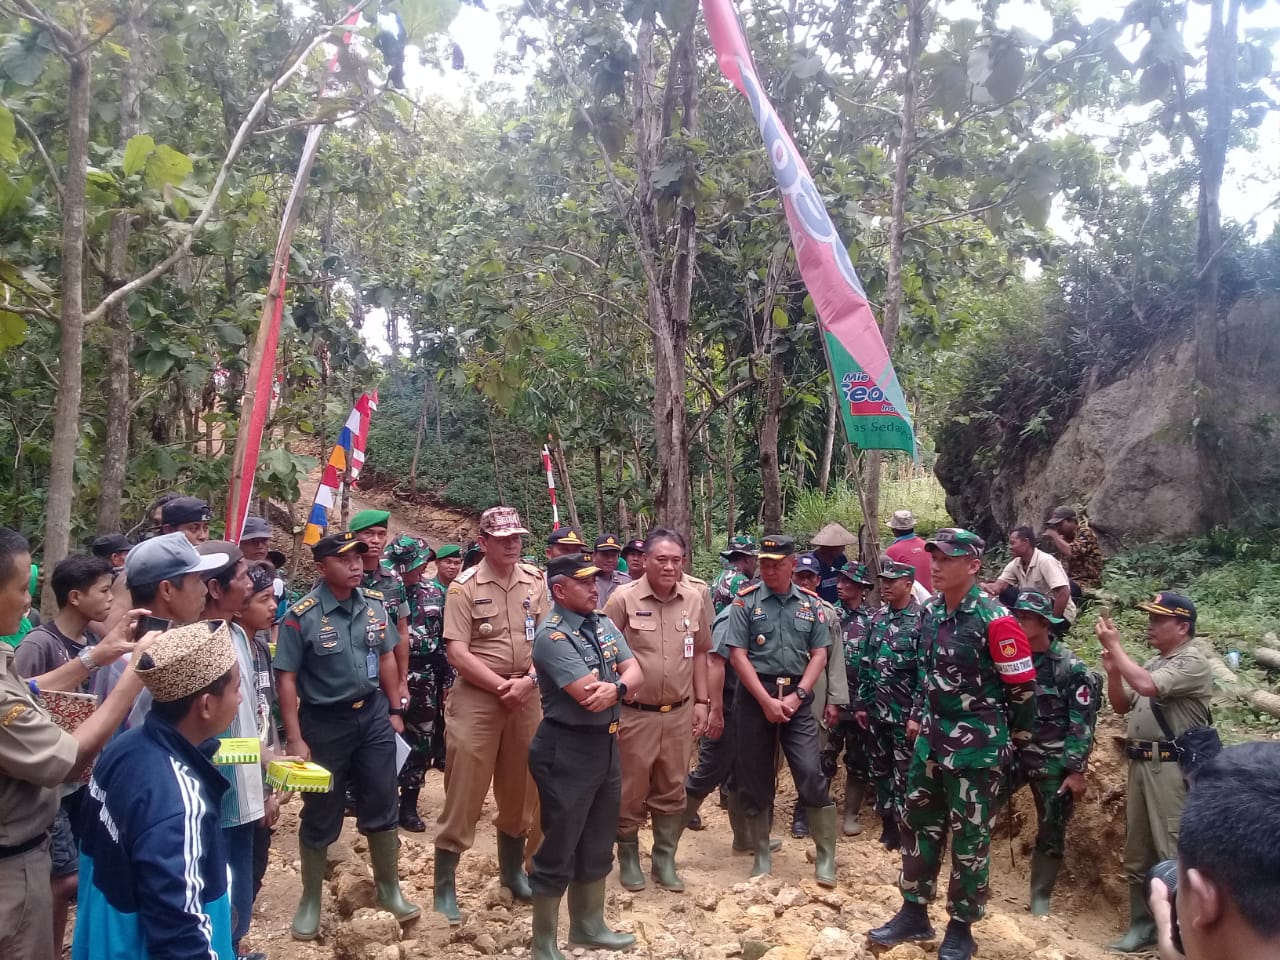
x=722 y=914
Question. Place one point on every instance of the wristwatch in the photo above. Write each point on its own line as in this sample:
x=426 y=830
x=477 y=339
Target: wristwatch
x=803 y=694
x=621 y=688
x=86 y=659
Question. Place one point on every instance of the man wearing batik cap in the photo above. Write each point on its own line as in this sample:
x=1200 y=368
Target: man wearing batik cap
x=335 y=676
x=491 y=615
x=153 y=859
x=565 y=542
x=739 y=570
x=1163 y=698
x=828 y=546
x=1055 y=761
x=976 y=704
x=370 y=527
x=907 y=547
x=188 y=516
x=605 y=558
x=255 y=542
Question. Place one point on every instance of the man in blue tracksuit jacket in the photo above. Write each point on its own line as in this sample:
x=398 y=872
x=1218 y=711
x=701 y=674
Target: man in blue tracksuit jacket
x=153 y=866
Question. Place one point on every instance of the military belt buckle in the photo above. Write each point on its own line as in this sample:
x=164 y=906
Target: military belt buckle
x=357 y=705
x=613 y=727
x=665 y=708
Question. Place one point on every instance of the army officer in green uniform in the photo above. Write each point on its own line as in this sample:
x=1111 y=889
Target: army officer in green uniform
x=779 y=638
x=584 y=669
x=335 y=674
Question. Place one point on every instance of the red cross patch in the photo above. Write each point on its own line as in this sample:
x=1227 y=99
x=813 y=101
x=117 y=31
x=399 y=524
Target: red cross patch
x=1083 y=696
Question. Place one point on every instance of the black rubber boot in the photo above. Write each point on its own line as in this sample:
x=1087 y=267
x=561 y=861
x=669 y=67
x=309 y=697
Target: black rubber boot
x=306 y=921
x=890 y=835
x=958 y=943
x=409 y=818
x=911 y=922
x=1142 y=927
x=446 y=896
x=384 y=852
x=692 y=803
x=587 y=926
x=629 y=873
x=1044 y=874
x=546 y=918
x=667 y=828
x=799 y=822
x=511 y=867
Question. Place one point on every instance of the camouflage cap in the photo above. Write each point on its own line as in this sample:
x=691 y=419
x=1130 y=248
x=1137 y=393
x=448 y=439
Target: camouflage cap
x=501 y=522
x=857 y=572
x=740 y=546
x=956 y=542
x=1033 y=601
x=893 y=570
x=408 y=552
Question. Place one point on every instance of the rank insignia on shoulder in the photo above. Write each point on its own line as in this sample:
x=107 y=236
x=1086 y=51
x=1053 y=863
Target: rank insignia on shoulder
x=303 y=605
x=376 y=594
x=746 y=588
x=558 y=635
x=464 y=576
x=806 y=591
x=554 y=618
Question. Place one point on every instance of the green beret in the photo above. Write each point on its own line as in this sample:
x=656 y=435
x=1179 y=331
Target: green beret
x=449 y=550
x=369 y=518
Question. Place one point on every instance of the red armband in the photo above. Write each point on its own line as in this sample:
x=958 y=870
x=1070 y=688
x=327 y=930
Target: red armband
x=1010 y=650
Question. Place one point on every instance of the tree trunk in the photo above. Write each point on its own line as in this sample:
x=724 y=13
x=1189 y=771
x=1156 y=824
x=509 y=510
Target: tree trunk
x=829 y=440
x=730 y=467
x=599 y=470
x=1220 y=82
x=417 y=444
x=770 y=468
x=708 y=503
x=566 y=482
x=66 y=409
x=624 y=522
x=493 y=449
x=115 y=454
x=892 y=319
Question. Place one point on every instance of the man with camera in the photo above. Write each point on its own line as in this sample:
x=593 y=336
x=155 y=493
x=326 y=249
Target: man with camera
x=1164 y=698
x=1220 y=900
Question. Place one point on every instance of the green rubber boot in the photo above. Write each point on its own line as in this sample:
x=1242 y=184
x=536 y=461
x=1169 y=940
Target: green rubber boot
x=1044 y=874
x=306 y=920
x=511 y=867
x=758 y=830
x=384 y=851
x=822 y=827
x=629 y=874
x=587 y=927
x=667 y=828
x=446 y=895
x=546 y=918
x=742 y=842
x=853 y=795
x=1142 y=927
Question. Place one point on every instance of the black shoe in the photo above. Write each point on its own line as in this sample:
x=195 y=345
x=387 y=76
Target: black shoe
x=695 y=823
x=890 y=837
x=438 y=763
x=724 y=800
x=800 y=823
x=410 y=820
x=958 y=943
x=349 y=802
x=911 y=922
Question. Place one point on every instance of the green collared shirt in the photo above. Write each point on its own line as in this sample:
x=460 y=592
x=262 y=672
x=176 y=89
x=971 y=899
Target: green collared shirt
x=569 y=646
x=327 y=643
x=778 y=631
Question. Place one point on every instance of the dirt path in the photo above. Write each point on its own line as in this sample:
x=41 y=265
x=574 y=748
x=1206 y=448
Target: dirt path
x=786 y=917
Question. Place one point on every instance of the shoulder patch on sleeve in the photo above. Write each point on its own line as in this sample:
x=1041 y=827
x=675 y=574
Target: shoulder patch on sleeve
x=557 y=635
x=696 y=581
x=303 y=605
x=530 y=568
x=376 y=594
x=464 y=576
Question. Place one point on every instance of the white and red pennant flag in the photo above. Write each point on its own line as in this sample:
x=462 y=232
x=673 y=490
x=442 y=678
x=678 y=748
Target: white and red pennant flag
x=551 y=487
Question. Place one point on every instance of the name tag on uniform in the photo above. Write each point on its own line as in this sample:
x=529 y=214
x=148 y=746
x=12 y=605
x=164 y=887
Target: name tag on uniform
x=371 y=664
x=529 y=630
x=328 y=637
x=804 y=613
x=759 y=614
x=688 y=647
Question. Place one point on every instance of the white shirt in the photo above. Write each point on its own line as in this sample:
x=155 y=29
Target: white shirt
x=1043 y=573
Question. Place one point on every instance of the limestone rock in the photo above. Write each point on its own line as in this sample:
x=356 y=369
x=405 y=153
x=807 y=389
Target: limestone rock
x=352 y=889
x=486 y=944
x=835 y=944
x=366 y=936
x=789 y=897
x=755 y=949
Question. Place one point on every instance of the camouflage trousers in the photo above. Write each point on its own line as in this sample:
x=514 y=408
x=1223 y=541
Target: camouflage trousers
x=855 y=743
x=888 y=760
x=941 y=801
x=1053 y=812
x=430 y=678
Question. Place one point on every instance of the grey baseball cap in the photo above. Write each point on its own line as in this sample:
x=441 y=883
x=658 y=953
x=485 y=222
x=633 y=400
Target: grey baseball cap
x=168 y=557
x=255 y=528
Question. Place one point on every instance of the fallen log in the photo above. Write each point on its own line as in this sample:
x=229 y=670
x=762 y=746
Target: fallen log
x=1264 y=702
x=1266 y=657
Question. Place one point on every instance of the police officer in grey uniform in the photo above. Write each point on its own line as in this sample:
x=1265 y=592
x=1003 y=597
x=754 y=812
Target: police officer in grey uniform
x=336 y=673
x=584 y=669
x=779 y=639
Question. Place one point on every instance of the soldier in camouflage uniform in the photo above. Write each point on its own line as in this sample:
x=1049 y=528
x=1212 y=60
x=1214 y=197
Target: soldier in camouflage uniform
x=410 y=557
x=739 y=570
x=1055 y=761
x=852 y=584
x=370 y=527
x=976 y=703
x=886 y=691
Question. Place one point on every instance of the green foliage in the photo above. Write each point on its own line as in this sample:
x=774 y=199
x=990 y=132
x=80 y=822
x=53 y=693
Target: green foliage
x=923 y=496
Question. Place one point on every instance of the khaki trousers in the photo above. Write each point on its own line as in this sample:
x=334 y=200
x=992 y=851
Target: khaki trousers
x=26 y=906
x=655 y=749
x=1156 y=796
x=487 y=744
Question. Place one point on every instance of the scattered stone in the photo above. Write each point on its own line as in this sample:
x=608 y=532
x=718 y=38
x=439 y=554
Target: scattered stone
x=366 y=936
x=755 y=949
x=905 y=951
x=1048 y=953
x=352 y=890
x=496 y=895
x=835 y=944
x=708 y=898
x=789 y=897
x=486 y=944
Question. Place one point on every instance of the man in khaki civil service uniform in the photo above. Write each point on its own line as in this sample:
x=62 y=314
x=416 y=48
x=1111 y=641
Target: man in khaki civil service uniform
x=490 y=618
x=1178 y=685
x=666 y=619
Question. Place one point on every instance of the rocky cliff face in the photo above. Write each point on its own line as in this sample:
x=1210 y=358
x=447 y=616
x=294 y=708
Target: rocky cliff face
x=1127 y=455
